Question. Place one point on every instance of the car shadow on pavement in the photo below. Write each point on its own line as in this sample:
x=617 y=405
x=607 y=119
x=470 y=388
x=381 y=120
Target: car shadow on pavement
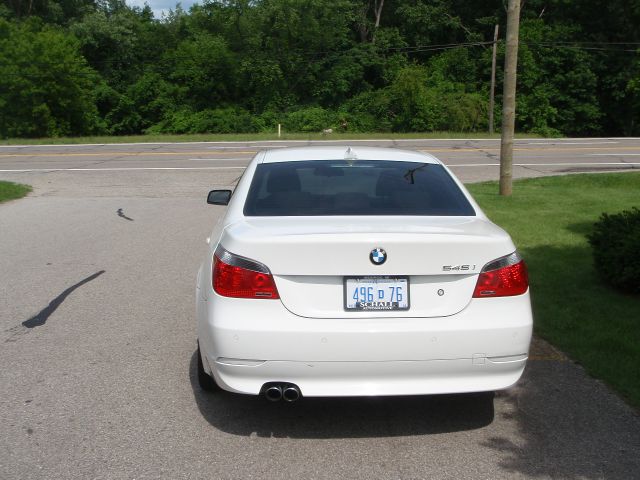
x=323 y=418
x=568 y=425
x=564 y=424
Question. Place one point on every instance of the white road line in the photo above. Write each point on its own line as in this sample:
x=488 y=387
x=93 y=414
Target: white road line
x=241 y=146
x=542 y=164
x=563 y=143
x=125 y=169
x=264 y=142
x=255 y=142
x=245 y=159
x=66 y=145
x=614 y=154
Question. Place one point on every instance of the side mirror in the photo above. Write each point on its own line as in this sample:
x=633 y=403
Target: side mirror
x=219 y=197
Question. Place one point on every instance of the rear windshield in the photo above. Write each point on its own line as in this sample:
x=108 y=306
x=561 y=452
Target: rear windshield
x=361 y=187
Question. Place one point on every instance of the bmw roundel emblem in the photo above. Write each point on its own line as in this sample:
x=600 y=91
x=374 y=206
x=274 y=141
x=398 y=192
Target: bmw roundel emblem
x=378 y=256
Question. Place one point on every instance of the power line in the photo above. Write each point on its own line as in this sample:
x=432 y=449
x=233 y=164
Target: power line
x=407 y=50
x=591 y=43
x=581 y=47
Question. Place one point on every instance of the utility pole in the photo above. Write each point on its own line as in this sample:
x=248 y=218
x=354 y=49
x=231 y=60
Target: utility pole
x=493 y=79
x=509 y=98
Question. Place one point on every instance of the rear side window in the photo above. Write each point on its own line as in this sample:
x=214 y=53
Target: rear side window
x=361 y=187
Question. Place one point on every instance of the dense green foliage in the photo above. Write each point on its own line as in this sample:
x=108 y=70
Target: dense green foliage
x=47 y=87
x=616 y=242
x=596 y=325
x=78 y=67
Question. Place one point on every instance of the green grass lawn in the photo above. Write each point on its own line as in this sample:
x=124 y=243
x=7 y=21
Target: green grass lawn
x=244 y=137
x=548 y=219
x=11 y=191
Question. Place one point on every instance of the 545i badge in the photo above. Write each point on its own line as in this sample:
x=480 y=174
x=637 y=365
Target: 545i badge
x=462 y=268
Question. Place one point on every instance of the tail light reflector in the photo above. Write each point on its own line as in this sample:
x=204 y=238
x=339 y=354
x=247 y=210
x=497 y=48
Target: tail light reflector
x=504 y=277
x=239 y=277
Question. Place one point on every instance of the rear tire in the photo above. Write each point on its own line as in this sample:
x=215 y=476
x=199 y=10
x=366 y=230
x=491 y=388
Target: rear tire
x=206 y=382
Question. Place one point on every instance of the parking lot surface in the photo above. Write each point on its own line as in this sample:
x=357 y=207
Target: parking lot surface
x=97 y=335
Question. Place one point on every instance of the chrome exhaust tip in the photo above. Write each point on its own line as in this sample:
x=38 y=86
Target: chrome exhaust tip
x=273 y=393
x=291 y=394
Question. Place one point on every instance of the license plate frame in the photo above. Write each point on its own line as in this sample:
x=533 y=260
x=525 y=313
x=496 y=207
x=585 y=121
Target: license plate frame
x=377 y=280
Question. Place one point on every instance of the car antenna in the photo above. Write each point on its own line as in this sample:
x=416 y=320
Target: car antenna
x=350 y=156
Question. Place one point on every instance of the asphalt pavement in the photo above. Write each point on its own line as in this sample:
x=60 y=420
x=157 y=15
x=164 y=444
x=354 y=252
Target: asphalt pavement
x=97 y=335
x=471 y=160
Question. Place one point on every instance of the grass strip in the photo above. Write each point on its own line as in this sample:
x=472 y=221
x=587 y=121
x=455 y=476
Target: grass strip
x=11 y=191
x=548 y=219
x=247 y=137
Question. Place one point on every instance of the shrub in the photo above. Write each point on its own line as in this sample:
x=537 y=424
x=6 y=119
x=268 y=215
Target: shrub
x=416 y=102
x=179 y=121
x=225 y=120
x=616 y=245
x=369 y=112
x=310 y=119
x=464 y=112
x=219 y=120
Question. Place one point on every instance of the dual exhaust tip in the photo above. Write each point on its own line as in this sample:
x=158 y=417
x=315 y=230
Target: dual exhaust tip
x=275 y=392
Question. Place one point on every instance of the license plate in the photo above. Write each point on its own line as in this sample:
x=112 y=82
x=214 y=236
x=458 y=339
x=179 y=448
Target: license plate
x=376 y=293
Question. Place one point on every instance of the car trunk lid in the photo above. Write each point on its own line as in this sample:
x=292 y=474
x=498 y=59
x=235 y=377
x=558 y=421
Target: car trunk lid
x=440 y=256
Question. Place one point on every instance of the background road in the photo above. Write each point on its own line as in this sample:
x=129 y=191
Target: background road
x=471 y=160
x=97 y=336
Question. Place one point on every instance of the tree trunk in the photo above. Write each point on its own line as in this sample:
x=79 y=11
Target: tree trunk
x=377 y=7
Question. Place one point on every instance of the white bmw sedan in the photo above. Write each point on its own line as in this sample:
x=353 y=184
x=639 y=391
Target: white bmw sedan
x=342 y=271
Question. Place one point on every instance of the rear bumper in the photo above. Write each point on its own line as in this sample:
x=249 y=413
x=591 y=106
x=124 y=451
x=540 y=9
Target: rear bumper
x=248 y=343
x=337 y=379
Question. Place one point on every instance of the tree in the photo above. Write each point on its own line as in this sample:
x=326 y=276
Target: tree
x=51 y=11
x=118 y=41
x=46 y=86
x=557 y=89
x=204 y=70
x=406 y=65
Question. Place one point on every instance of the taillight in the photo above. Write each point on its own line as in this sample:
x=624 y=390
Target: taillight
x=239 y=277
x=504 y=277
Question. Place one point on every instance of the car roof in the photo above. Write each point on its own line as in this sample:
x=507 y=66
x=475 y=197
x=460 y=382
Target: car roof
x=298 y=154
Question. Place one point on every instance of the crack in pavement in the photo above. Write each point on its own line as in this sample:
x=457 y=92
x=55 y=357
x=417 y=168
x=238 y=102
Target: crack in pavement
x=111 y=159
x=624 y=160
x=526 y=167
